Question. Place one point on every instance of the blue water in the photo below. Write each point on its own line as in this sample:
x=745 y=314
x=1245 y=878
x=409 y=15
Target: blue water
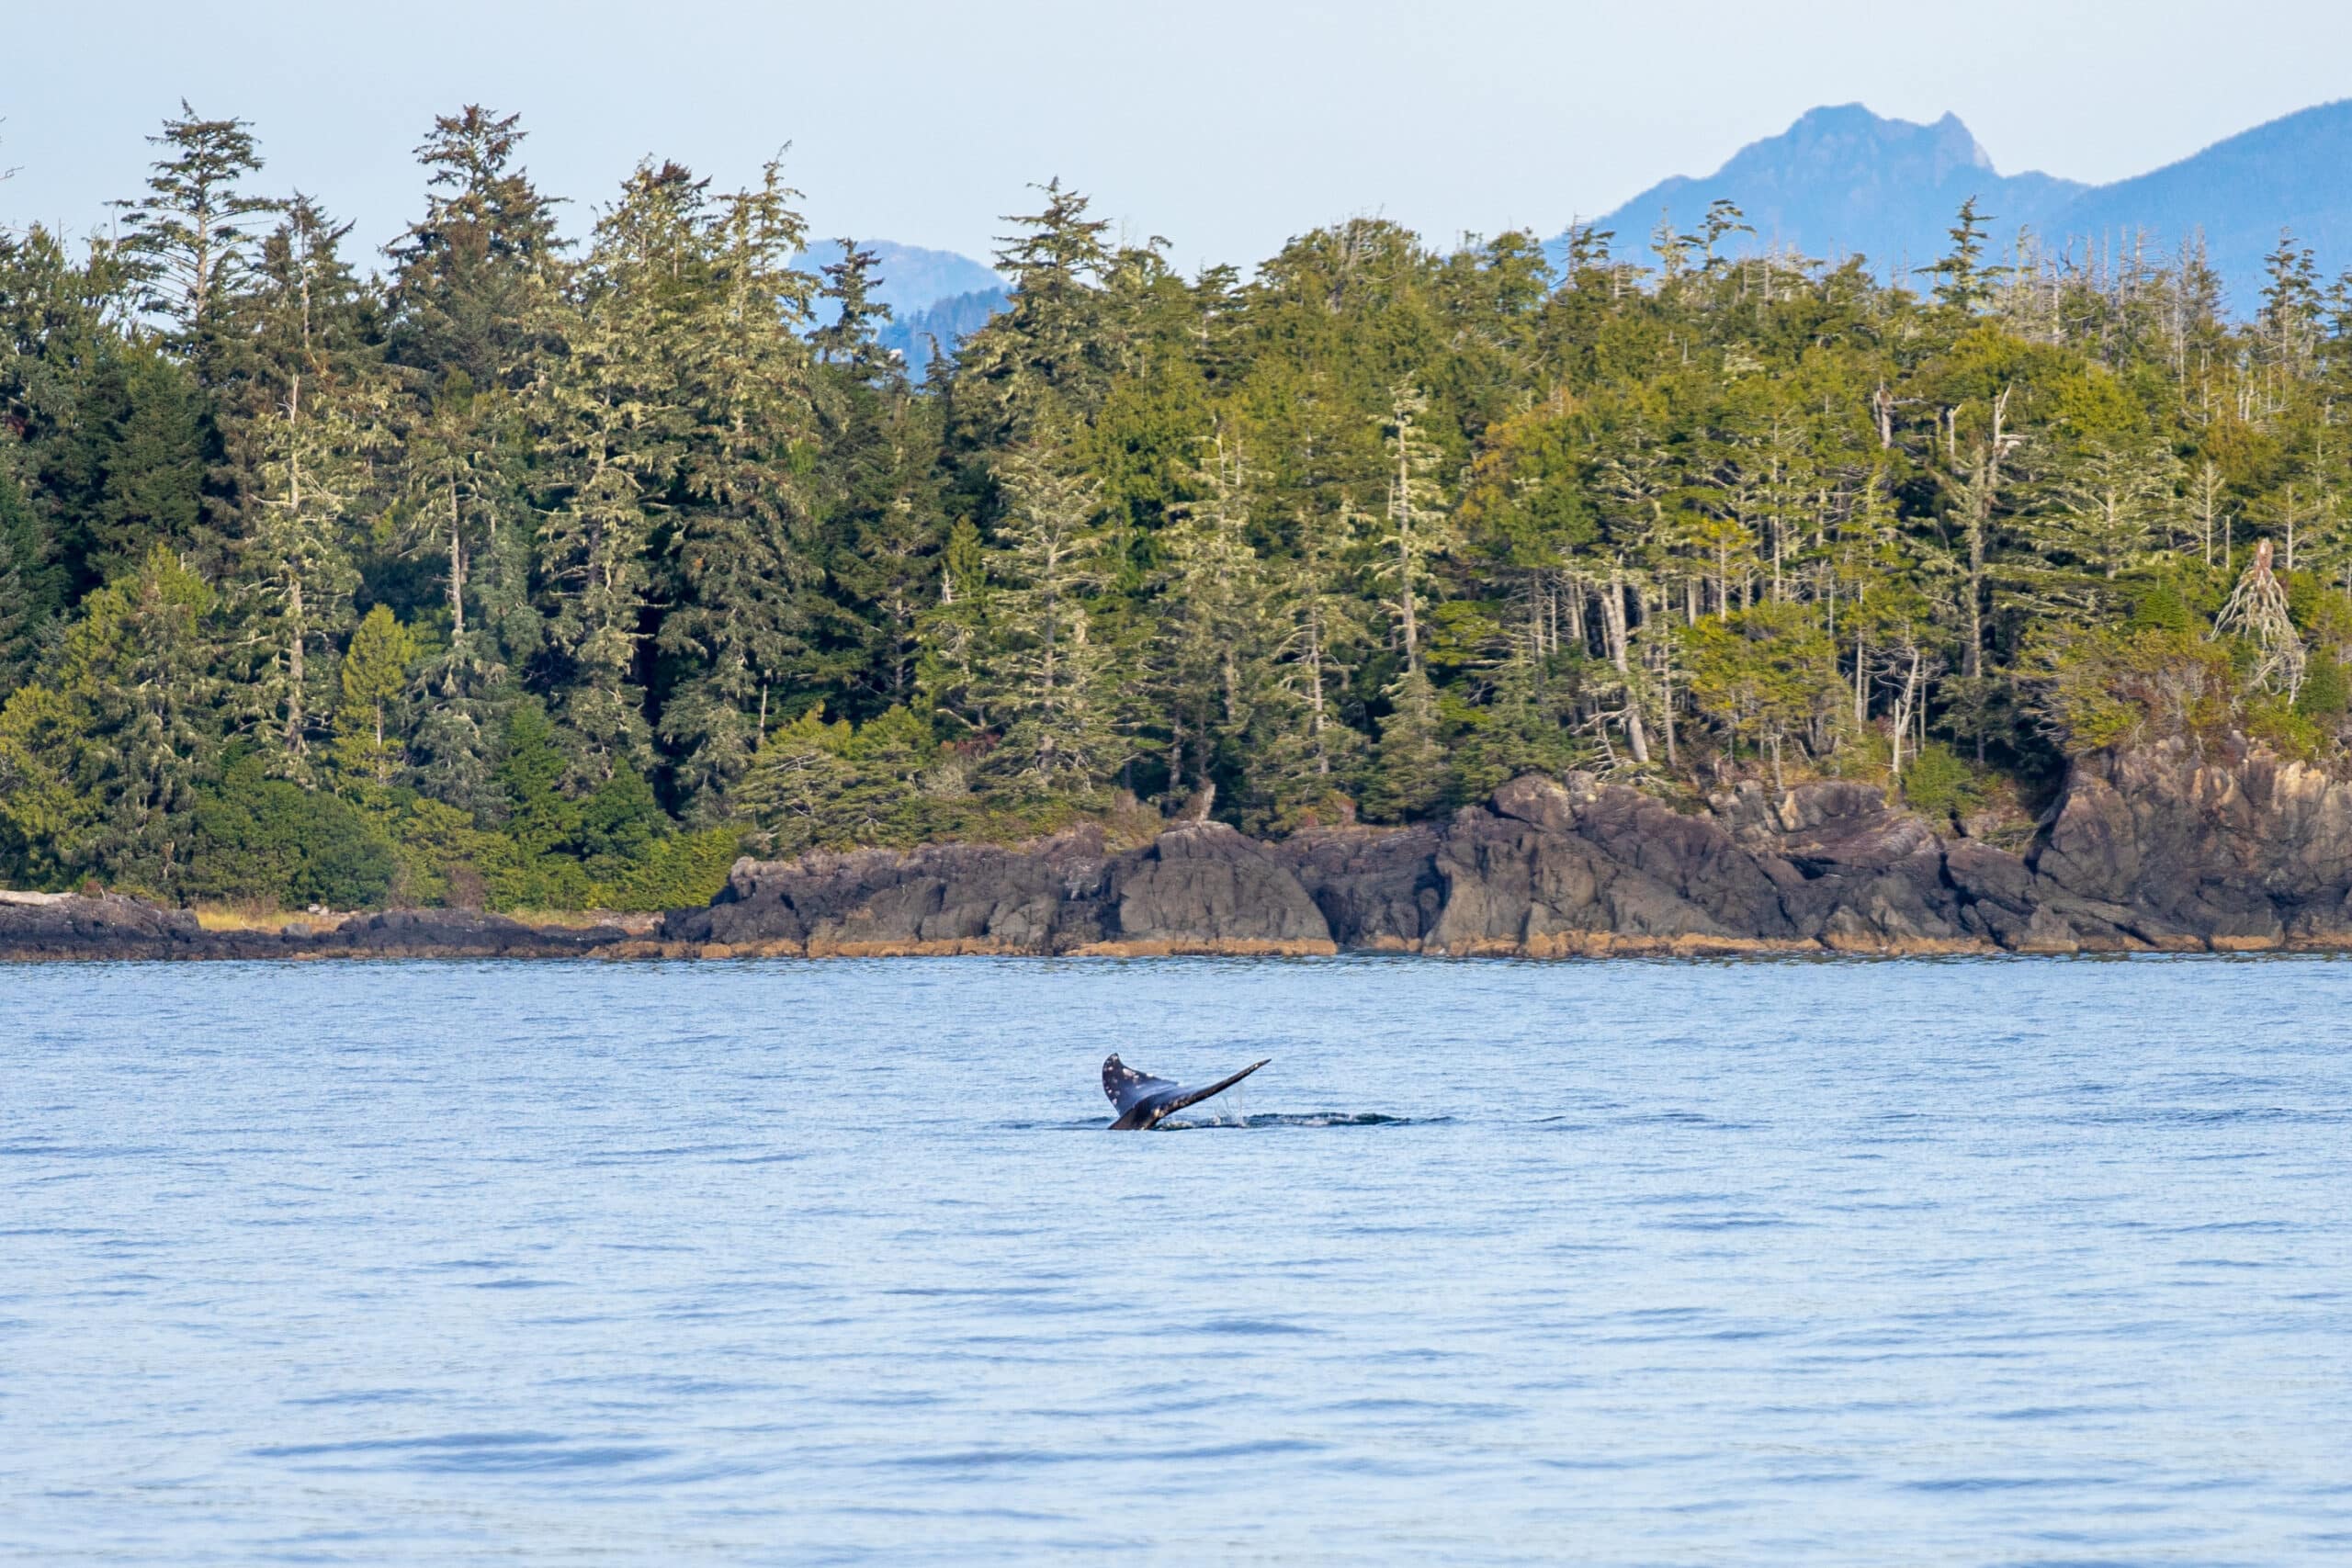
x=1960 y=1262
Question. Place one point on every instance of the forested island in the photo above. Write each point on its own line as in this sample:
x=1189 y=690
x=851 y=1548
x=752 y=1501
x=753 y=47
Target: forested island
x=504 y=573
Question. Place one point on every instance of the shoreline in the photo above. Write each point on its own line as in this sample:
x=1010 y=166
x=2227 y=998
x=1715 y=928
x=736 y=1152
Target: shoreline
x=2164 y=850
x=637 y=951
x=112 y=929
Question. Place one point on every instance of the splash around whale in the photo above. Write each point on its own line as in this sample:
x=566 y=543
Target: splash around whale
x=1143 y=1101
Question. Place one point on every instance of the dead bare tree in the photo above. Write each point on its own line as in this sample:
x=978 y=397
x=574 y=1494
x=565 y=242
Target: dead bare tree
x=2257 y=610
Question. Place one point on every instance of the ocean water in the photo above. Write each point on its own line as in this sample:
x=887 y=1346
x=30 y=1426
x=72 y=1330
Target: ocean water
x=1959 y=1262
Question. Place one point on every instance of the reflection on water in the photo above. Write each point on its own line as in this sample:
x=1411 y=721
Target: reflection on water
x=1959 y=1262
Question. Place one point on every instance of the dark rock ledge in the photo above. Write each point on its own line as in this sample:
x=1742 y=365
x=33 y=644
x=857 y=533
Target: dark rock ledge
x=68 y=926
x=2160 y=849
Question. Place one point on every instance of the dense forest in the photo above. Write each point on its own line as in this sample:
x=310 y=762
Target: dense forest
x=507 y=568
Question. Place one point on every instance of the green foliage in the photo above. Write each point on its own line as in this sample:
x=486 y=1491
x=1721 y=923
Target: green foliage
x=2326 y=692
x=620 y=821
x=2287 y=729
x=1409 y=775
x=2098 y=688
x=1529 y=501
x=46 y=820
x=16 y=606
x=374 y=679
x=540 y=817
x=1517 y=730
x=680 y=871
x=1766 y=672
x=272 y=841
x=437 y=854
x=153 y=459
x=1048 y=681
x=2161 y=608
x=189 y=239
x=100 y=763
x=818 y=785
x=1936 y=783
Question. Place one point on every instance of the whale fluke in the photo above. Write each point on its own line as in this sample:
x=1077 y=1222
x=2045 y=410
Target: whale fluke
x=1142 y=1100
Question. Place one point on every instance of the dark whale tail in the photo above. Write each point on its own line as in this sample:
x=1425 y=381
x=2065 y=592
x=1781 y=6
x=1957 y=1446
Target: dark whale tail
x=1142 y=1100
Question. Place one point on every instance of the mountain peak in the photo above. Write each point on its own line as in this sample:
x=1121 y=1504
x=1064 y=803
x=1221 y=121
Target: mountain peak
x=1947 y=142
x=1844 y=180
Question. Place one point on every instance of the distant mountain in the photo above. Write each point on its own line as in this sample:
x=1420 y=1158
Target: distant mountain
x=2293 y=174
x=935 y=296
x=944 y=325
x=1843 y=181
x=913 y=279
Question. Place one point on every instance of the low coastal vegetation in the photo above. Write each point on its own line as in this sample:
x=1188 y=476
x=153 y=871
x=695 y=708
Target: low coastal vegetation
x=522 y=573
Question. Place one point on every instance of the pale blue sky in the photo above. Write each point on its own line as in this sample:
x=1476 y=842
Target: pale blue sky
x=1226 y=125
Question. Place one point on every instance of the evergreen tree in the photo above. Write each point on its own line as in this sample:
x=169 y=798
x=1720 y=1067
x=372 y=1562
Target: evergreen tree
x=189 y=239
x=740 y=546
x=1416 y=523
x=24 y=586
x=790 y=792
x=64 y=399
x=951 y=635
x=1049 y=678
x=2291 y=305
x=473 y=313
x=1409 y=771
x=541 y=821
x=457 y=511
x=613 y=416
x=476 y=278
x=2107 y=511
x=848 y=339
x=151 y=457
x=879 y=493
x=1208 y=672
x=298 y=561
x=1044 y=359
x=374 y=681
x=103 y=759
x=16 y=620
x=1963 y=283
x=308 y=448
x=1306 y=751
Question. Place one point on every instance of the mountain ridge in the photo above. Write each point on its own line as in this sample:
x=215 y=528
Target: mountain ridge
x=2285 y=176
x=1842 y=180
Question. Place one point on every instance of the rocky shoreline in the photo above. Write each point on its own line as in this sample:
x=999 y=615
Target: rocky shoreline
x=61 y=926
x=2161 y=849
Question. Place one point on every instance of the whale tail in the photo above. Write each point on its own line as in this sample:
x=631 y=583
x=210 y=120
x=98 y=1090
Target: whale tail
x=1143 y=1101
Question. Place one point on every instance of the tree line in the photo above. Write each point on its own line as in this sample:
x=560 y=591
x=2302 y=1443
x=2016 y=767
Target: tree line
x=508 y=569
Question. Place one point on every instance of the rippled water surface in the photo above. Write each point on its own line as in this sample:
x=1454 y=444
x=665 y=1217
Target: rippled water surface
x=1967 y=1262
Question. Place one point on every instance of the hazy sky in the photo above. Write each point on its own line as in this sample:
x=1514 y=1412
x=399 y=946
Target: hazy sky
x=1226 y=125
